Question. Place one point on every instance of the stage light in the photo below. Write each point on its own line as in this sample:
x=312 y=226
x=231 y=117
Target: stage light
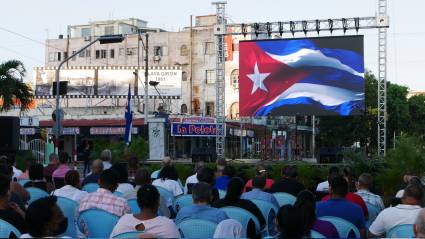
x=357 y=24
x=292 y=27
x=344 y=25
x=318 y=26
x=256 y=29
x=244 y=31
x=331 y=25
x=304 y=27
x=280 y=28
x=269 y=28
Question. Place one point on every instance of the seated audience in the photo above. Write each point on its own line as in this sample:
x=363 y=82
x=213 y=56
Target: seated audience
x=364 y=185
x=347 y=171
x=71 y=189
x=10 y=211
x=201 y=195
x=229 y=228
x=306 y=208
x=324 y=186
x=166 y=161
x=106 y=157
x=233 y=198
x=153 y=226
x=167 y=179
x=123 y=185
x=143 y=177
x=221 y=163
x=11 y=161
x=37 y=179
x=133 y=166
x=227 y=174
x=18 y=194
x=44 y=218
x=207 y=175
x=51 y=167
x=63 y=167
x=339 y=206
x=289 y=223
x=289 y=182
x=412 y=180
x=259 y=184
x=260 y=170
x=404 y=213
x=104 y=198
x=408 y=174
x=419 y=226
x=96 y=170
x=28 y=162
x=191 y=180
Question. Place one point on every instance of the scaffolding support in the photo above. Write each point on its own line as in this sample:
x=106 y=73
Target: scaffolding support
x=382 y=80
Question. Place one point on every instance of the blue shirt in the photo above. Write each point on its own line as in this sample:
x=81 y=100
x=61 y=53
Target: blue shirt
x=201 y=212
x=260 y=195
x=343 y=209
x=221 y=182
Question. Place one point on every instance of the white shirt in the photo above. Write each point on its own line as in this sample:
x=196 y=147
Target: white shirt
x=159 y=227
x=190 y=180
x=70 y=192
x=125 y=188
x=16 y=172
x=323 y=186
x=394 y=216
x=106 y=165
x=171 y=185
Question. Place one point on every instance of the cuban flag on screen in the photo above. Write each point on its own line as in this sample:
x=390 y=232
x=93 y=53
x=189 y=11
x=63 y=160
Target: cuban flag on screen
x=128 y=118
x=318 y=76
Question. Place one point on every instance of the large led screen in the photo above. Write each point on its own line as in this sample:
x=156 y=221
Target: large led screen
x=308 y=76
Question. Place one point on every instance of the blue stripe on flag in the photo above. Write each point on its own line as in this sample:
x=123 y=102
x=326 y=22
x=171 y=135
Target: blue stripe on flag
x=333 y=77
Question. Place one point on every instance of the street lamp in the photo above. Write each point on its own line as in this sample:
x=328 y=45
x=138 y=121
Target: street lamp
x=154 y=84
x=107 y=39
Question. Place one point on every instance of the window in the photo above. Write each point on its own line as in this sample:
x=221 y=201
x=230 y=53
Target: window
x=184 y=76
x=184 y=51
x=74 y=58
x=88 y=53
x=65 y=55
x=109 y=30
x=85 y=32
x=112 y=53
x=85 y=53
x=234 y=78
x=58 y=56
x=100 y=54
x=183 y=109
x=121 y=51
x=52 y=56
x=157 y=51
x=210 y=76
x=131 y=51
x=209 y=108
x=209 y=48
x=234 y=110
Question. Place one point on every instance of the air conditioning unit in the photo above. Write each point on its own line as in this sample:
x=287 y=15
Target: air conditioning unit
x=157 y=58
x=87 y=38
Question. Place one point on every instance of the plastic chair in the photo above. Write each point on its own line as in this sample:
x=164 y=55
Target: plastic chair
x=118 y=194
x=269 y=213
x=69 y=208
x=154 y=175
x=22 y=182
x=134 y=234
x=221 y=193
x=90 y=187
x=166 y=195
x=97 y=223
x=183 y=201
x=401 y=231
x=315 y=234
x=284 y=199
x=241 y=215
x=133 y=205
x=197 y=228
x=343 y=227
x=373 y=213
x=36 y=193
x=7 y=228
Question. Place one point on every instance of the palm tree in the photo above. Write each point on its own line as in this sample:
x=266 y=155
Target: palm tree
x=13 y=90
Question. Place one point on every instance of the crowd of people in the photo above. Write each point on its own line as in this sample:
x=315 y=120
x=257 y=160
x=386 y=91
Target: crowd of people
x=340 y=196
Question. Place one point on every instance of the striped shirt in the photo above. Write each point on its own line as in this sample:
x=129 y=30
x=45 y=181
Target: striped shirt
x=105 y=200
x=371 y=198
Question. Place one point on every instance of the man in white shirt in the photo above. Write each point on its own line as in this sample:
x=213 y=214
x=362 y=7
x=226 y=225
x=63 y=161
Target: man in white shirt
x=191 y=180
x=106 y=157
x=404 y=213
x=324 y=186
x=70 y=190
x=363 y=190
x=166 y=161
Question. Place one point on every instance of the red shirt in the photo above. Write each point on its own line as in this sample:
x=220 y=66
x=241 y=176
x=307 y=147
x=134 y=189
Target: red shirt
x=269 y=183
x=354 y=198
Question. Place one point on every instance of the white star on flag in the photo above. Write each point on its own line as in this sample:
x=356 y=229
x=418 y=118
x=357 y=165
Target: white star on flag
x=258 y=79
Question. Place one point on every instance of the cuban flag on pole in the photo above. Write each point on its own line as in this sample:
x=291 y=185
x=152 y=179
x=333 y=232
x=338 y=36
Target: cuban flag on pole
x=321 y=76
x=128 y=118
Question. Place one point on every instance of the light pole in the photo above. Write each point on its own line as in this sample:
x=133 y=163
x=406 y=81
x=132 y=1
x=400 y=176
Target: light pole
x=58 y=117
x=145 y=98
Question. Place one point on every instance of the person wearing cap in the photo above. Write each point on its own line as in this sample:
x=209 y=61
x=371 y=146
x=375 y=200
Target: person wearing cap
x=260 y=170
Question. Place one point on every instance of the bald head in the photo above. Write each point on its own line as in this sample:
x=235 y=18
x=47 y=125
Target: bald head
x=365 y=181
x=166 y=161
x=419 y=225
x=97 y=166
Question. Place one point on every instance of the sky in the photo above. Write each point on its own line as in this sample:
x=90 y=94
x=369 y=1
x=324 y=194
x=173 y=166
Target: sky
x=37 y=20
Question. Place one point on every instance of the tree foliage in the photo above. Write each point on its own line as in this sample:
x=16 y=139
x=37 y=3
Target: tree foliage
x=12 y=88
